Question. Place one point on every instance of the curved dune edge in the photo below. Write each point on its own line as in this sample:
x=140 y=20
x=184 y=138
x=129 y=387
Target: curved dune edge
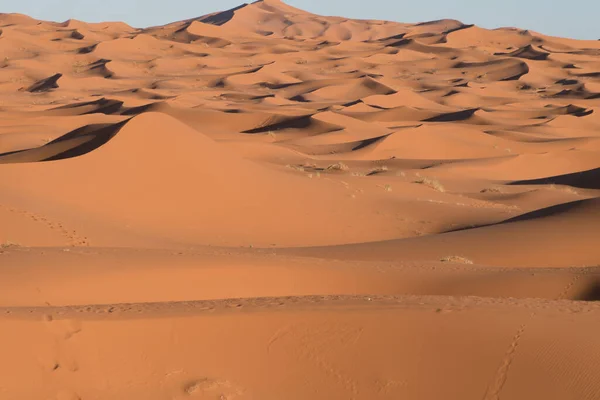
x=297 y=303
x=569 y=229
x=106 y=276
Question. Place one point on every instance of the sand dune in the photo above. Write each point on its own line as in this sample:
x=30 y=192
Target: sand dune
x=158 y=194
x=584 y=179
x=351 y=347
x=265 y=203
x=505 y=244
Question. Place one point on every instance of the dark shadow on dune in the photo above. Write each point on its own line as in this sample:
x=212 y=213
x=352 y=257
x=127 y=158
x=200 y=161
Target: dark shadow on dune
x=524 y=70
x=438 y=38
x=109 y=107
x=220 y=18
x=3 y=156
x=541 y=213
x=548 y=211
x=574 y=110
x=567 y=82
x=368 y=142
x=326 y=43
x=86 y=139
x=527 y=52
x=453 y=92
x=292 y=123
x=87 y=49
x=99 y=67
x=430 y=38
x=90 y=130
x=416 y=46
x=463 y=64
x=300 y=99
x=99 y=135
x=100 y=106
x=336 y=148
x=212 y=42
x=265 y=33
x=432 y=22
x=76 y=35
x=459 y=28
x=262 y=97
x=145 y=108
x=578 y=93
x=590 y=75
x=353 y=103
x=182 y=34
x=589 y=179
x=453 y=116
x=590 y=293
x=277 y=86
x=45 y=85
x=394 y=37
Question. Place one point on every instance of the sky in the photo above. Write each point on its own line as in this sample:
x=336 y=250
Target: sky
x=575 y=19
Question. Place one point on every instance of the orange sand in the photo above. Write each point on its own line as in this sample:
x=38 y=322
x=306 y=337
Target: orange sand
x=265 y=203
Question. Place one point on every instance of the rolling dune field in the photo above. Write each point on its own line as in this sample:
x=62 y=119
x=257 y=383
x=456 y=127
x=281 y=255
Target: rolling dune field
x=263 y=203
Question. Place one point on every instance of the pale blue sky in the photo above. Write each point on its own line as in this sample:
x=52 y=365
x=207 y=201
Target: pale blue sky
x=574 y=18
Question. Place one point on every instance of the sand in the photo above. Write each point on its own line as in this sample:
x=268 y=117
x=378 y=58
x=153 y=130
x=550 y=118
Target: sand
x=264 y=203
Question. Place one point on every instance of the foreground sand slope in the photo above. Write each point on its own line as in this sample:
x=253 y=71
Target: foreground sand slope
x=338 y=347
x=264 y=203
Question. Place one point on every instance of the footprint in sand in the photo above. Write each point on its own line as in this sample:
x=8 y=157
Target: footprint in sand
x=72 y=237
x=63 y=329
x=218 y=389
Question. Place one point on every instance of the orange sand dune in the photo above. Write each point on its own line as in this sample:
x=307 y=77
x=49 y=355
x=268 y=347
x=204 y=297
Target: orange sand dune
x=507 y=243
x=342 y=347
x=265 y=203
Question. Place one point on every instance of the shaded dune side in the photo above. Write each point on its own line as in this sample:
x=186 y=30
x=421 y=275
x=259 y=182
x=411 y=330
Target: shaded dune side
x=307 y=124
x=107 y=106
x=527 y=52
x=73 y=144
x=589 y=179
x=45 y=85
x=220 y=18
x=178 y=182
x=102 y=106
x=568 y=229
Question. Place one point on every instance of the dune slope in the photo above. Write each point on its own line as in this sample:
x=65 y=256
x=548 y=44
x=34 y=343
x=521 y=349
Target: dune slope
x=265 y=203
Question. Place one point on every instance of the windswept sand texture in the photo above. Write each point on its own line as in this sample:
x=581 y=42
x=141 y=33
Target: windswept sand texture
x=264 y=203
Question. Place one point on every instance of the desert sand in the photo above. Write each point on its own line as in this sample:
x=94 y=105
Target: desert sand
x=264 y=203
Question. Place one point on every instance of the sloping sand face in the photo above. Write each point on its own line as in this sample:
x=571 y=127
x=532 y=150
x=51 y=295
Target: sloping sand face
x=264 y=203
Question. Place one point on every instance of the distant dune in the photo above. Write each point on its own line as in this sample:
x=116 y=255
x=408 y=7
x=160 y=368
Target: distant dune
x=264 y=203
